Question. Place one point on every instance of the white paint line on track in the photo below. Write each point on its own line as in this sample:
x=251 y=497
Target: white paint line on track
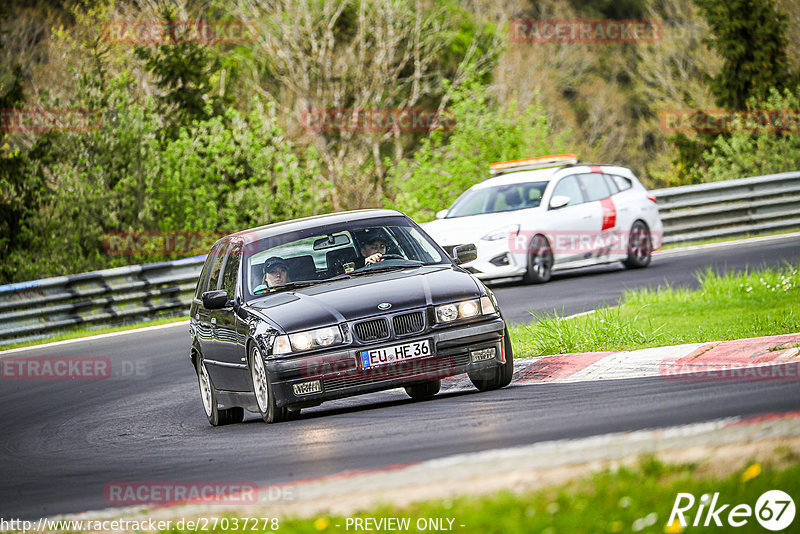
x=95 y=337
x=724 y=244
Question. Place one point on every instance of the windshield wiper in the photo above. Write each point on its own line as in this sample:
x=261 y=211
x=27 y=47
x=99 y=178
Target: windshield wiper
x=302 y=283
x=384 y=269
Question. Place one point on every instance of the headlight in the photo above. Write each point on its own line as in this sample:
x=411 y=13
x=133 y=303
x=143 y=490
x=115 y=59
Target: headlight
x=501 y=233
x=463 y=310
x=310 y=339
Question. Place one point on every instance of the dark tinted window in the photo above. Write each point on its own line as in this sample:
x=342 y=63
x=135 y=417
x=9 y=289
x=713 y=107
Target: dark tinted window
x=622 y=183
x=569 y=187
x=202 y=282
x=595 y=186
x=231 y=269
x=216 y=267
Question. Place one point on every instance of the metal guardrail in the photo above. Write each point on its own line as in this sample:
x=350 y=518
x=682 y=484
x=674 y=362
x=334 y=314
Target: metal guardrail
x=747 y=206
x=43 y=308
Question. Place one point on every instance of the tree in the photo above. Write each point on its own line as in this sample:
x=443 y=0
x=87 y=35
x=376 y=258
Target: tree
x=448 y=163
x=750 y=35
x=355 y=56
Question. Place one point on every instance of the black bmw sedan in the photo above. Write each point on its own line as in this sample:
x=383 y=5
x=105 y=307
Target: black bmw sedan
x=292 y=314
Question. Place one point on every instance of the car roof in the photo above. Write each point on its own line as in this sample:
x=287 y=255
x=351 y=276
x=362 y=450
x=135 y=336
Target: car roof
x=516 y=177
x=260 y=232
x=546 y=174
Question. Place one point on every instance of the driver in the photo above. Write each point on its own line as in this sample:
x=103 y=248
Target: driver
x=276 y=272
x=373 y=249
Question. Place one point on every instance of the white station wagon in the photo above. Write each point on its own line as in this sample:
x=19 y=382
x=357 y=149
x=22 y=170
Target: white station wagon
x=544 y=214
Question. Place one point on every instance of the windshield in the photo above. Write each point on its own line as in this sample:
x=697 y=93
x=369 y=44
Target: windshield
x=314 y=256
x=508 y=197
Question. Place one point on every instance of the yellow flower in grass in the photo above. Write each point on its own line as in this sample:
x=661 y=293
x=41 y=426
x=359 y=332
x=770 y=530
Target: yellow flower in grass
x=751 y=472
x=673 y=528
x=321 y=523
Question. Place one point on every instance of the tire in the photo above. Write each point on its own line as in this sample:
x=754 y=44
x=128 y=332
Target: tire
x=424 y=390
x=502 y=375
x=640 y=247
x=540 y=261
x=262 y=389
x=208 y=394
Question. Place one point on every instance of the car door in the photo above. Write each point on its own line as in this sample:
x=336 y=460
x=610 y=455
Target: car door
x=230 y=365
x=201 y=318
x=571 y=227
x=602 y=206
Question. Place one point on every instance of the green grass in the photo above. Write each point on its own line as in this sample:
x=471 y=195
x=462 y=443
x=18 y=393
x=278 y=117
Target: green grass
x=729 y=306
x=84 y=332
x=628 y=499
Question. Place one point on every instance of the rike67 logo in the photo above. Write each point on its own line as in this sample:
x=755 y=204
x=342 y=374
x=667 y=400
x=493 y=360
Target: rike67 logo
x=774 y=510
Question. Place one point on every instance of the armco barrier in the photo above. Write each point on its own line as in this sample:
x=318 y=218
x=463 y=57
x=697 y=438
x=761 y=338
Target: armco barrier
x=730 y=208
x=42 y=308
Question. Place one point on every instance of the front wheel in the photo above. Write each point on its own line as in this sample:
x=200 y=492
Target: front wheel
x=262 y=389
x=208 y=394
x=502 y=375
x=540 y=261
x=640 y=247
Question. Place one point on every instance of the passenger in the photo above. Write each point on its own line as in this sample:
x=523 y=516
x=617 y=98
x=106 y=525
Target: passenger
x=276 y=272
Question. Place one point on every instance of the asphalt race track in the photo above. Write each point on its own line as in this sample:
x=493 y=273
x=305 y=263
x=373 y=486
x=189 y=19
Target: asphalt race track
x=63 y=441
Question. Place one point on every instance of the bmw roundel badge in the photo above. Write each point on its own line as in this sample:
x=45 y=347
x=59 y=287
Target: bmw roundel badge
x=384 y=306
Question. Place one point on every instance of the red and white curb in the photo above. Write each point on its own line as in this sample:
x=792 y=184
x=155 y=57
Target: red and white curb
x=746 y=359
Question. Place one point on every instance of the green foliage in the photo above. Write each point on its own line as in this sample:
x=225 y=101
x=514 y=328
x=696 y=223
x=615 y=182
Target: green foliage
x=185 y=75
x=763 y=151
x=449 y=162
x=725 y=306
x=750 y=35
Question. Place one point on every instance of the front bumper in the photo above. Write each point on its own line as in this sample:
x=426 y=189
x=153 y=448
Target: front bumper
x=340 y=374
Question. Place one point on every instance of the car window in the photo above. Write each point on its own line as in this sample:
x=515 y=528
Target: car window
x=594 y=185
x=216 y=267
x=622 y=182
x=202 y=282
x=569 y=187
x=506 y=197
x=230 y=270
x=405 y=246
x=612 y=185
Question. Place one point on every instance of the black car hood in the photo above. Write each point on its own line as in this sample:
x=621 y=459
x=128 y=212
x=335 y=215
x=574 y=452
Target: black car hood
x=358 y=297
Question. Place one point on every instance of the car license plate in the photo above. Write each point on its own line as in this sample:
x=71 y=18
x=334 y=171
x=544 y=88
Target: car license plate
x=377 y=357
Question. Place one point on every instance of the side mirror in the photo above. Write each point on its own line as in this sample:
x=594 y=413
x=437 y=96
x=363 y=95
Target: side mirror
x=441 y=214
x=465 y=253
x=559 y=201
x=215 y=300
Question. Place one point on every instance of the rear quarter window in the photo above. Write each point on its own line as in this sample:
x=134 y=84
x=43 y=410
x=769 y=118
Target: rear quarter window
x=622 y=183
